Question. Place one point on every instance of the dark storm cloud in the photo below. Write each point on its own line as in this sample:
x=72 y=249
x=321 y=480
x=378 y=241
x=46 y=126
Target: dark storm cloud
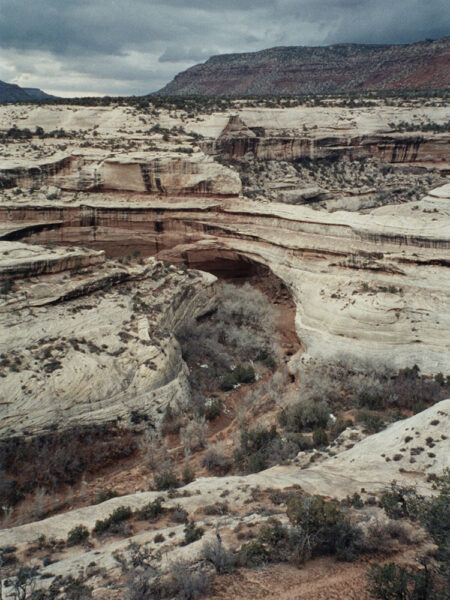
x=136 y=46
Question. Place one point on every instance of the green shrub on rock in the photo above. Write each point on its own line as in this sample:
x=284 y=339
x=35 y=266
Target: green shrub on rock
x=77 y=535
x=109 y=525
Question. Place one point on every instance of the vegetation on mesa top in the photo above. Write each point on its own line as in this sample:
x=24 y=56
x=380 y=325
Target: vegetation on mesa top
x=201 y=103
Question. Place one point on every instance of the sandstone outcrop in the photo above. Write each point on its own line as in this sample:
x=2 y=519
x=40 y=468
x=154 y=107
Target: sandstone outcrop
x=277 y=135
x=372 y=285
x=366 y=468
x=163 y=174
x=87 y=341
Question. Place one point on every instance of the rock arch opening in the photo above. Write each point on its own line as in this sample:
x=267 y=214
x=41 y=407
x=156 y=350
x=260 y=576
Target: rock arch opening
x=238 y=269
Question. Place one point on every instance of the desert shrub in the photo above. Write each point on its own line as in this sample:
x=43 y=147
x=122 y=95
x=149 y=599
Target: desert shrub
x=155 y=449
x=109 y=525
x=187 y=474
x=338 y=426
x=435 y=517
x=355 y=500
x=262 y=447
x=24 y=581
x=382 y=536
x=10 y=493
x=188 y=583
x=140 y=585
x=172 y=421
x=323 y=528
x=227 y=382
x=304 y=416
x=220 y=508
x=279 y=540
x=192 y=533
x=317 y=527
x=214 y=460
x=253 y=554
x=144 y=580
x=345 y=540
x=152 y=510
x=400 y=501
x=254 y=440
x=66 y=456
x=235 y=333
x=283 y=448
x=104 y=495
x=256 y=462
x=77 y=535
x=372 y=423
x=166 y=480
x=320 y=437
x=267 y=358
x=370 y=399
x=244 y=374
x=222 y=559
x=6 y=286
x=8 y=555
x=394 y=582
x=254 y=446
x=240 y=374
x=212 y=409
x=179 y=514
x=342 y=384
x=433 y=513
x=313 y=513
x=193 y=435
x=76 y=589
x=302 y=442
x=137 y=417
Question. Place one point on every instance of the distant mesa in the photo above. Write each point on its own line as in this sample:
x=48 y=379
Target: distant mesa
x=10 y=92
x=298 y=70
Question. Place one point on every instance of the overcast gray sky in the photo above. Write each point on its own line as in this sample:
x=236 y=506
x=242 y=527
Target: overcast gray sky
x=82 y=47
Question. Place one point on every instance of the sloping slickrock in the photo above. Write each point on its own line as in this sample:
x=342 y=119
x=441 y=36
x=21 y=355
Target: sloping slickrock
x=363 y=466
x=82 y=345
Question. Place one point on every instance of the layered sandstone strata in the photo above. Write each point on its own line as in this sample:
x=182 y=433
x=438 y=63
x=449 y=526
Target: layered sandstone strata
x=371 y=283
x=87 y=341
x=136 y=172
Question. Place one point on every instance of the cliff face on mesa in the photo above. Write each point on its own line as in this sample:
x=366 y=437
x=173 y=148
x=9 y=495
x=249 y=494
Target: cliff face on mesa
x=10 y=92
x=304 y=70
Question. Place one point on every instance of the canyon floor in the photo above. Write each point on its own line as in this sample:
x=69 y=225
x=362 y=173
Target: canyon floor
x=210 y=315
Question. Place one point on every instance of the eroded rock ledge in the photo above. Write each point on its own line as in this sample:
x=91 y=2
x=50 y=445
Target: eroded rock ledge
x=371 y=285
x=86 y=345
x=363 y=468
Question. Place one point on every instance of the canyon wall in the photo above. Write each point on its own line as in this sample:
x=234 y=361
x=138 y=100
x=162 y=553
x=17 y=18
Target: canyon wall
x=404 y=148
x=372 y=285
x=165 y=174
